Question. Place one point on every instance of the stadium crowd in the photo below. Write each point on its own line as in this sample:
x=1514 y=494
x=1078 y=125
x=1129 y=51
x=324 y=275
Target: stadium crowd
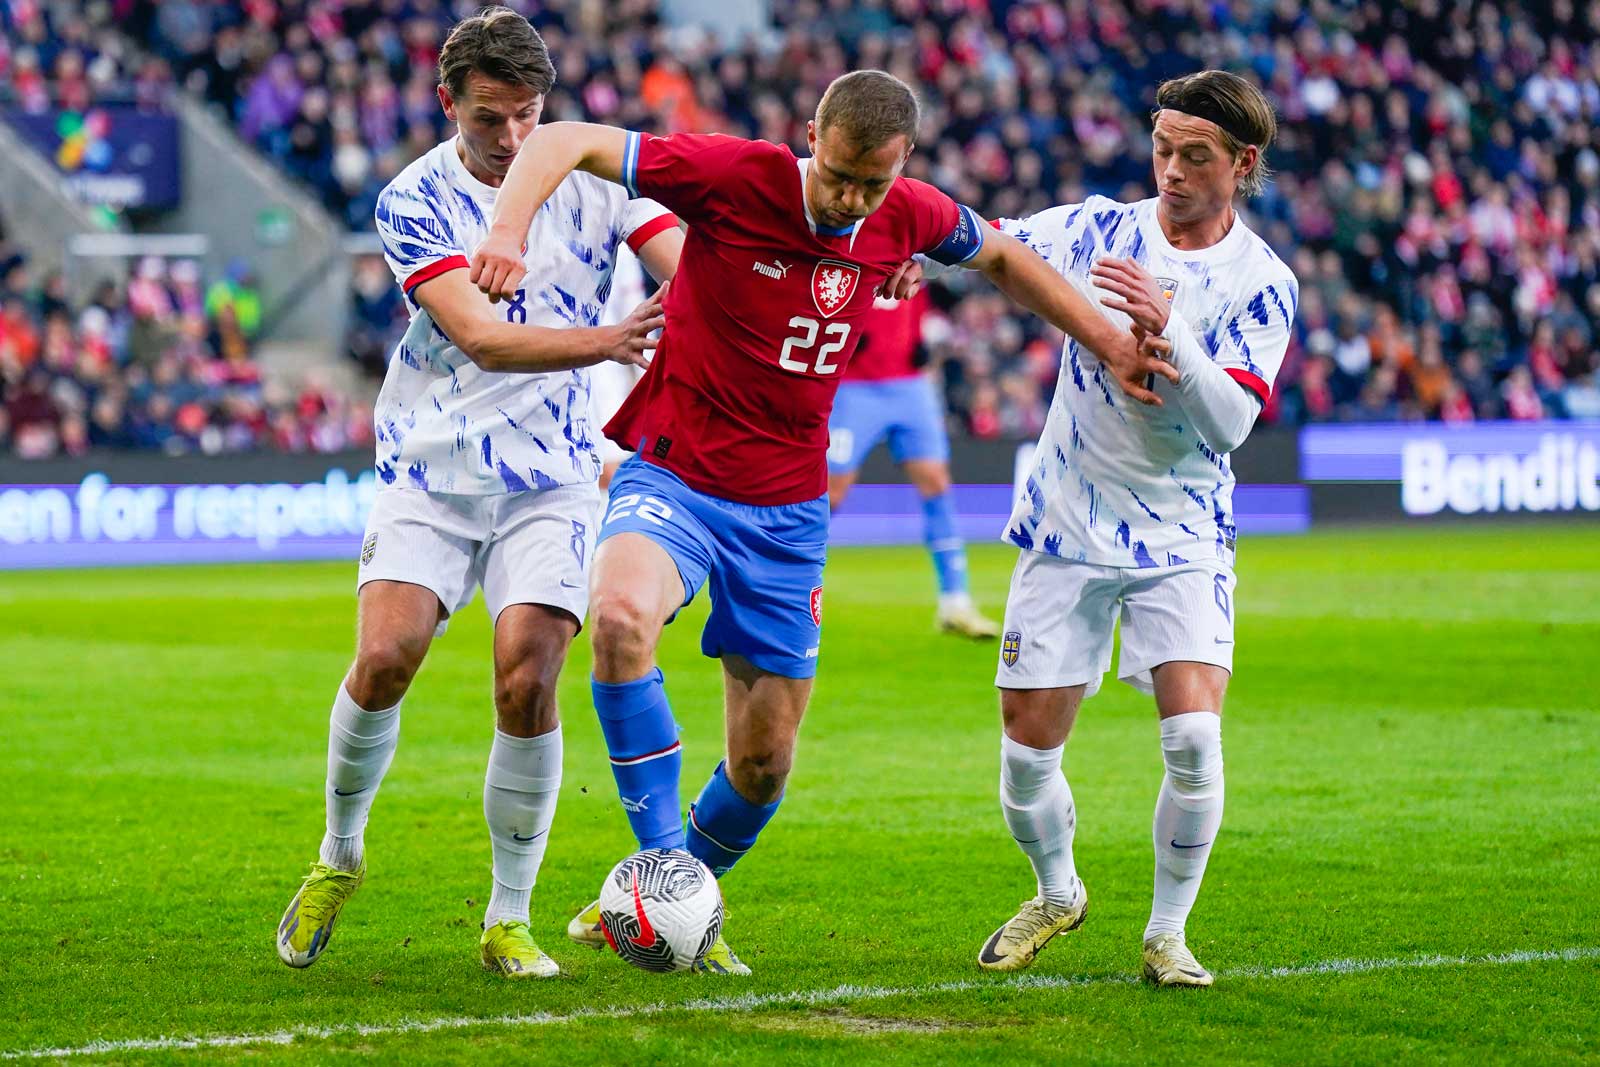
x=1438 y=173
x=164 y=362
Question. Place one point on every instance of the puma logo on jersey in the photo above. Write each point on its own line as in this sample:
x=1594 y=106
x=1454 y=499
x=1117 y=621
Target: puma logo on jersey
x=777 y=269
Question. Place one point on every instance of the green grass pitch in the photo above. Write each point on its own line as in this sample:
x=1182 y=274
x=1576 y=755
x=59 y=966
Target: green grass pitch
x=1412 y=739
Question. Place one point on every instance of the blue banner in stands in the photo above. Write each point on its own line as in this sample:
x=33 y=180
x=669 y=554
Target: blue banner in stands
x=114 y=154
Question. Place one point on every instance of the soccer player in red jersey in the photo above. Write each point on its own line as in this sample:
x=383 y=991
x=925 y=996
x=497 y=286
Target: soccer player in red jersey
x=885 y=395
x=730 y=424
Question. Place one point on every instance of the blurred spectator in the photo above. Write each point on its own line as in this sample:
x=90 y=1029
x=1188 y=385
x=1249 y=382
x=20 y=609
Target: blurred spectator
x=145 y=369
x=236 y=293
x=1439 y=174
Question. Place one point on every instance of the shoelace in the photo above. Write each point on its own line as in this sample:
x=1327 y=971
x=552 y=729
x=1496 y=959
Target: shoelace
x=1176 y=950
x=1033 y=915
x=319 y=905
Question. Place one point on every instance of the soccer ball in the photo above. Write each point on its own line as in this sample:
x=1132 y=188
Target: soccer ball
x=661 y=910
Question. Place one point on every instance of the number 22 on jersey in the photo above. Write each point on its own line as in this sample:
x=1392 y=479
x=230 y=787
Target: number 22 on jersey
x=836 y=335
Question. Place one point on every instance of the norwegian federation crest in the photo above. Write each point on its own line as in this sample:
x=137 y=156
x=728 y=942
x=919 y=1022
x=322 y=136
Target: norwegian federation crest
x=1169 y=288
x=832 y=285
x=1011 y=648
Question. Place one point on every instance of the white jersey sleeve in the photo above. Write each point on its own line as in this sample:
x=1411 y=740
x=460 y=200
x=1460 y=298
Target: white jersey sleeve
x=642 y=219
x=1251 y=346
x=419 y=238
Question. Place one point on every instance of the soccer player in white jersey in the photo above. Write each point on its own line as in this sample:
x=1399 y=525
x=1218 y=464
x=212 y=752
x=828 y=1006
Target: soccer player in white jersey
x=487 y=473
x=1128 y=508
x=610 y=383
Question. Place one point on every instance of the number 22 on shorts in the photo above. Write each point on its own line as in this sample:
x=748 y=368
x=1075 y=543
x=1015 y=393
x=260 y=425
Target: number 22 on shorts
x=648 y=507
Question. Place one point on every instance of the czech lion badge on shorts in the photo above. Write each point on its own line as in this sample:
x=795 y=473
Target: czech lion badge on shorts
x=1011 y=648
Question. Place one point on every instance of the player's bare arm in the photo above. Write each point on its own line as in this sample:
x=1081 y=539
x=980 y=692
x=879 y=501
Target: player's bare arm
x=548 y=155
x=1031 y=282
x=493 y=344
x=660 y=254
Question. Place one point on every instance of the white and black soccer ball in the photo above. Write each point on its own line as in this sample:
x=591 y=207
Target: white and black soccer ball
x=661 y=909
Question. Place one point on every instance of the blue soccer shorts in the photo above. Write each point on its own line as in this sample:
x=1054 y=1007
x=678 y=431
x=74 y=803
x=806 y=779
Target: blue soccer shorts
x=905 y=410
x=763 y=564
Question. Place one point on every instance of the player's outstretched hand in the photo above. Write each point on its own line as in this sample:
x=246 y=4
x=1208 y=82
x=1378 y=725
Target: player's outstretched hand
x=904 y=283
x=1135 y=291
x=1136 y=357
x=497 y=266
x=633 y=338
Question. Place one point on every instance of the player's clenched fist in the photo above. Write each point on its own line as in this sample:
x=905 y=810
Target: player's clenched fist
x=497 y=266
x=631 y=338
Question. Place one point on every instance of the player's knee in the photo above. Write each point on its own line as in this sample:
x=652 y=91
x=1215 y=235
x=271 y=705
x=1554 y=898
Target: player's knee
x=525 y=695
x=1191 y=748
x=760 y=777
x=621 y=628
x=383 y=672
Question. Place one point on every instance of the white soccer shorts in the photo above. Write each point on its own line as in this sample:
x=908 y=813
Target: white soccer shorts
x=530 y=547
x=1060 y=615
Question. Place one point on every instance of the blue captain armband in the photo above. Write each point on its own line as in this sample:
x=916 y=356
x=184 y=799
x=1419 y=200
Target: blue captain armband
x=963 y=242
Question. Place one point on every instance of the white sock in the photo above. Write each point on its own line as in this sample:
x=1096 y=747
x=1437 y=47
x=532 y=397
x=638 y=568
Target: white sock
x=1188 y=815
x=360 y=748
x=955 y=601
x=519 y=803
x=1037 y=804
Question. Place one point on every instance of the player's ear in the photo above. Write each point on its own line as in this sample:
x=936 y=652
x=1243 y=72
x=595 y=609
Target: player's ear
x=446 y=102
x=1246 y=162
x=811 y=135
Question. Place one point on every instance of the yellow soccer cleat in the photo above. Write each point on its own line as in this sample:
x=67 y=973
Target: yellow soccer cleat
x=1168 y=962
x=719 y=959
x=307 y=925
x=585 y=927
x=965 y=620
x=1016 y=944
x=508 y=949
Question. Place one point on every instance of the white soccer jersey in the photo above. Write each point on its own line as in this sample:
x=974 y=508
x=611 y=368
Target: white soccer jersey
x=443 y=424
x=1117 y=483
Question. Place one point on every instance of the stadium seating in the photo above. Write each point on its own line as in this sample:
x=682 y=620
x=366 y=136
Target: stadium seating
x=1437 y=190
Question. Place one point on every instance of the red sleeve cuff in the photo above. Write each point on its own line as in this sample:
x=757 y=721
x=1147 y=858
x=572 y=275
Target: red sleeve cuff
x=433 y=270
x=995 y=223
x=1252 y=382
x=661 y=223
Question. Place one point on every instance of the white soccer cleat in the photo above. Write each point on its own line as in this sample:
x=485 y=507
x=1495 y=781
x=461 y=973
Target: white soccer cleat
x=1017 y=943
x=1168 y=962
x=961 y=616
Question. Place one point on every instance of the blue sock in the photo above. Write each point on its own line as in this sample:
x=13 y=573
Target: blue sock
x=724 y=825
x=645 y=757
x=944 y=543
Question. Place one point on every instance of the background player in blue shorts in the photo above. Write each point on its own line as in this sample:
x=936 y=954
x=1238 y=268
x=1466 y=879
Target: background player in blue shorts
x=884 y=396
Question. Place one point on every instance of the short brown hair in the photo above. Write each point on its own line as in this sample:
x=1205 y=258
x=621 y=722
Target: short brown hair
x=869 y=107
x=500 y=44
x=1241 y=110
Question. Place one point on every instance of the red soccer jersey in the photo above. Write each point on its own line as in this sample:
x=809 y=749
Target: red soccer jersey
x=890 y=333
x=764 y=312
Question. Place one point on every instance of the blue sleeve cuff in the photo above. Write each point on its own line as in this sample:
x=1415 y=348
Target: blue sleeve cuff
x=630 y=164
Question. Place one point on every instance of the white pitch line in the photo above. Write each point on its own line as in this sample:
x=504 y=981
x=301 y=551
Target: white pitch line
x=755 y=1001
